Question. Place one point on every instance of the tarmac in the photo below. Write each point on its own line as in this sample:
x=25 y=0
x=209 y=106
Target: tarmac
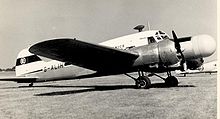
x=112 y=97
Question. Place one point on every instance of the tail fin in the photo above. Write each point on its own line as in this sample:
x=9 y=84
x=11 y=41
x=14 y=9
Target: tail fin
x=26 y=62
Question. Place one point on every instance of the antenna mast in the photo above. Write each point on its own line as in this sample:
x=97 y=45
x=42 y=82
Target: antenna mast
x=148 y=25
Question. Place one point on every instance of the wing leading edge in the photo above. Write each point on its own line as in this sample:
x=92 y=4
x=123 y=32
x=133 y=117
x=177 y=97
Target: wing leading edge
x=83 y=54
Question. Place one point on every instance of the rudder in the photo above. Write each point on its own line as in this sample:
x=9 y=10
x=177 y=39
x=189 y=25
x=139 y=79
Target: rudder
x=26 y=62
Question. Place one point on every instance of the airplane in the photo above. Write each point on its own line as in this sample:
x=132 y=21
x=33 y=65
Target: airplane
x=151 y=51
x=209 y=67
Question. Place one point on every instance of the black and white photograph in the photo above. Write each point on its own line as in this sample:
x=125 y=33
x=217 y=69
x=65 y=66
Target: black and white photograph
x=102 y=59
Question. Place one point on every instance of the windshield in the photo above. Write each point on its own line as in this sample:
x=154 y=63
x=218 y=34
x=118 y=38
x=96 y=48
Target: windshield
x=163 y=35
x=158 y=36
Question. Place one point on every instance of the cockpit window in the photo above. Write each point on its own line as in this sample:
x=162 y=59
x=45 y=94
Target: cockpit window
x=161 y=32
x=158 y=36
x=163 y=35
x=151 y=40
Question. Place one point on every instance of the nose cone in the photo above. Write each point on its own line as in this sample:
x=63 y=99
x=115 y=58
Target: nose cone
x=203 y=45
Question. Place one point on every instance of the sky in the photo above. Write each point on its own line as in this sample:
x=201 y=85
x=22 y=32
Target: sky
x=26 y=22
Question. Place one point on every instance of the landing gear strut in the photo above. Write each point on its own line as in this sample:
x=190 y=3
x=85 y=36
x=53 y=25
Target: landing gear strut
x=143 y=82
x=170 y=81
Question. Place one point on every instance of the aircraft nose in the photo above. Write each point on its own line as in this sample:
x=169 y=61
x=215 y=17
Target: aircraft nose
x=203 y=45
x=199 y=46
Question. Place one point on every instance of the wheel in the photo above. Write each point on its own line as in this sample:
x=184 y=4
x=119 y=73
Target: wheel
x=143 y=82
x=171 y=81
x=31 y=84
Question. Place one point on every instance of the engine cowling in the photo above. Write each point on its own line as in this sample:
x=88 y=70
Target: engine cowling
x=163 y=53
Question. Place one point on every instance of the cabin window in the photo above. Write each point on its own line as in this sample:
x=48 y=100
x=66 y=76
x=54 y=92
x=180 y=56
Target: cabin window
x=151 y=40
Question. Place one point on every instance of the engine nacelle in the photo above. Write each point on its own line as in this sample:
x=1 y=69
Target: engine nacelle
x=167 y=53
x=162 y=53
x=194 y=63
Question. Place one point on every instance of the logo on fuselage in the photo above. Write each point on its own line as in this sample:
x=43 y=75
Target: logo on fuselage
x=23 y=60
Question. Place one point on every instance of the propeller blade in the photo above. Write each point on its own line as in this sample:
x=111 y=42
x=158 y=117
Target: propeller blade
x=176 y=42
x=174 y=35
x=184 y=39
x=178 y=48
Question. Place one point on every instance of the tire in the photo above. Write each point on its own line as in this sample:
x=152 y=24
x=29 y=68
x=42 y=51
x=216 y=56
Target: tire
x=143 y=82
x=171 y=81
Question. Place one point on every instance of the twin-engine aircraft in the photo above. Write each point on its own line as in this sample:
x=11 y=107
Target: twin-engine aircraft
x=150 y=51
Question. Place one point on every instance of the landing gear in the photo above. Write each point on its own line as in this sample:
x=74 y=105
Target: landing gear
x=31 y=84
x=142 y=82
x=171 y=81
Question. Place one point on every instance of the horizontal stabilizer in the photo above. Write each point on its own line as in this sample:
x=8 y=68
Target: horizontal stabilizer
x=19 y=79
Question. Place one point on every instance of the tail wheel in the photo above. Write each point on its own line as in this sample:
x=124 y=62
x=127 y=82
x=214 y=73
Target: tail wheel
x=143 y=82
x=171 y=81
x=31 y=84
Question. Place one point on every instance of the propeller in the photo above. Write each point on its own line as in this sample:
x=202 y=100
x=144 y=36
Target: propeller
x=178 y=48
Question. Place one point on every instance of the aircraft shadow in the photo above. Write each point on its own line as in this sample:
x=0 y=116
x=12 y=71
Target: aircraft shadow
x=90 y=89
x=98 y=88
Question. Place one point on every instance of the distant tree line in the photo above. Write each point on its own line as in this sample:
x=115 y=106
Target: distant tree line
x=8 y=69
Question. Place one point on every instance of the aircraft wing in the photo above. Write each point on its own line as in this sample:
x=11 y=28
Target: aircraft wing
x=19 y=79
x=83 y=54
